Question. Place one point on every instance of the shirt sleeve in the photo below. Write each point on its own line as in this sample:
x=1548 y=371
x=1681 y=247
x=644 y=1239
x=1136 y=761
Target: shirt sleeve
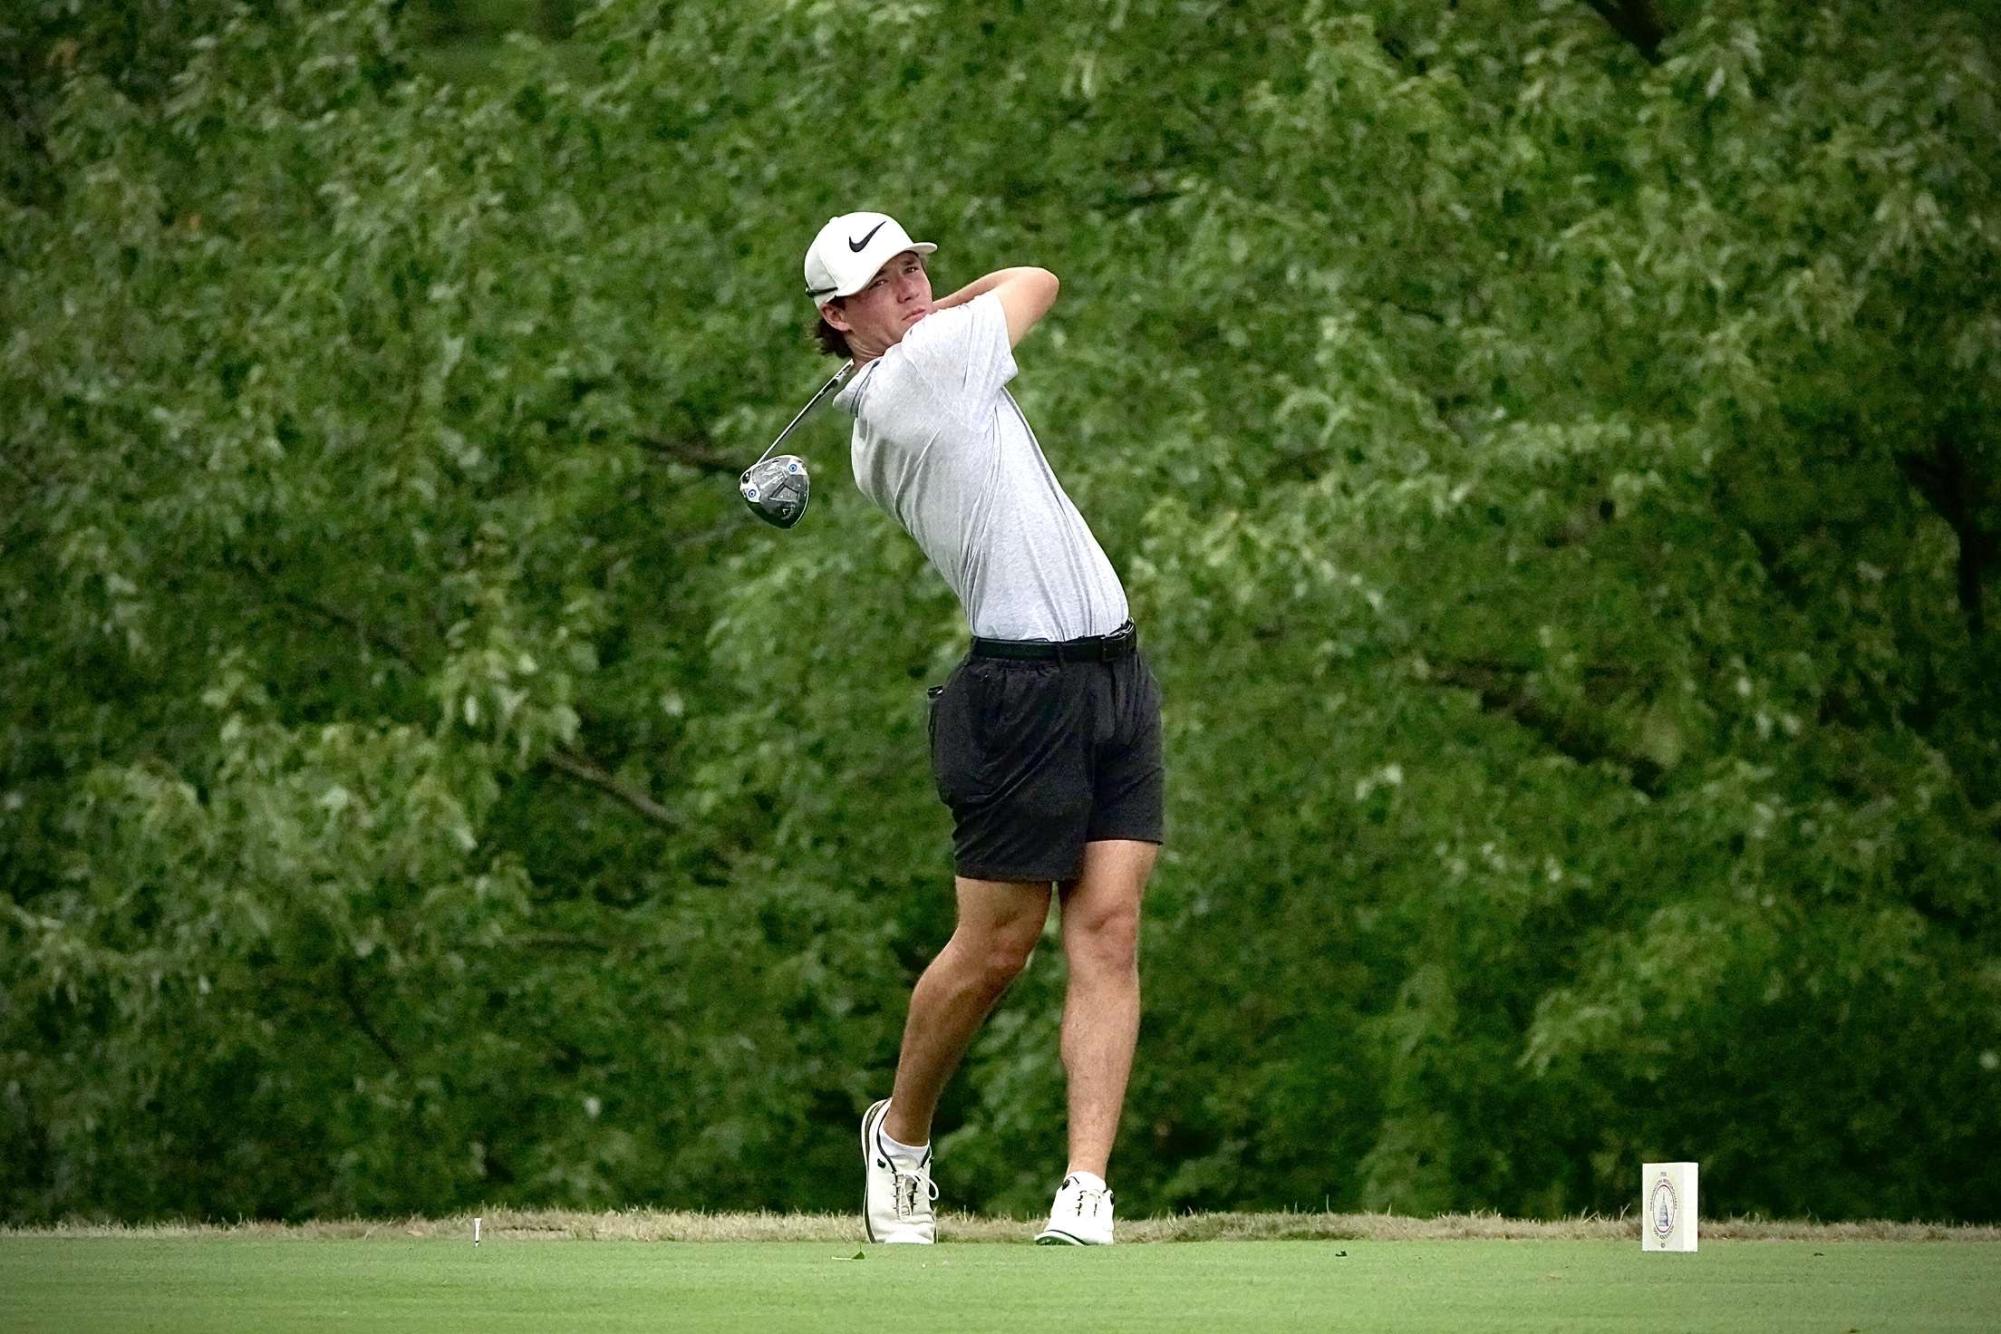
x=963 y=355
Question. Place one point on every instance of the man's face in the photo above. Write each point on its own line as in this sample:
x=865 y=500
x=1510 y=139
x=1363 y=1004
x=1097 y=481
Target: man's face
x=876 y=318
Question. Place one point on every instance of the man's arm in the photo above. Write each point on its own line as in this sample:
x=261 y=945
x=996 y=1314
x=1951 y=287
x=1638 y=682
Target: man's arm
x=1026 y=295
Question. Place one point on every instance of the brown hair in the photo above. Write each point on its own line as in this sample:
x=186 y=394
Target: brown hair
x=831 y=340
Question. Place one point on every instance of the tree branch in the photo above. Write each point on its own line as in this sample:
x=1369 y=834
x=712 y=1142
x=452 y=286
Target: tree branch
x=702 y=458
x=1945 y=477
x=1564 y=735
x=585 y=770
x=375 y=638
x=1141 y=196
x=1492 y=666
x=1415 y=312
x=552 y=941
x=45 y=181
x=320 y=611
x=576 y=766
x=14 y=466
x=1638 y=21
x=359 y=1013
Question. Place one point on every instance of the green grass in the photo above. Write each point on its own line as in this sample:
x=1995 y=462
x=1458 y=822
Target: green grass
x=296 y=1283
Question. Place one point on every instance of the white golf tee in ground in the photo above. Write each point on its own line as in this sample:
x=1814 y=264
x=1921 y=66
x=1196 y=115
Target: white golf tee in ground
x=1667 y=1207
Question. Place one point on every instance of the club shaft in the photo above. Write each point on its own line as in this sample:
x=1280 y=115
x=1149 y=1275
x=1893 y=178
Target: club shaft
x=840 y=378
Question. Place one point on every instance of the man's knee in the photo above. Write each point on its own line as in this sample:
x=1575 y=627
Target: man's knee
x=1007 y=960
x=1104 y=938
x=998 y=957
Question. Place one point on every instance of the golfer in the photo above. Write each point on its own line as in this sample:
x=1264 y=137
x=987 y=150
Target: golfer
x=1045 y=739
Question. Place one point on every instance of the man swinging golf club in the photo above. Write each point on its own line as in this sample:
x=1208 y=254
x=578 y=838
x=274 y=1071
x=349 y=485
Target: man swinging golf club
x=1045 y=739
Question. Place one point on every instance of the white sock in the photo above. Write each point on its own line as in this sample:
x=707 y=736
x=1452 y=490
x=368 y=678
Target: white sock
x=910 y=1155
x=1088 y=1180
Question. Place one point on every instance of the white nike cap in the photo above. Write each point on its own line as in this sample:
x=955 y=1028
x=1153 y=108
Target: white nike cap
x=851 y=249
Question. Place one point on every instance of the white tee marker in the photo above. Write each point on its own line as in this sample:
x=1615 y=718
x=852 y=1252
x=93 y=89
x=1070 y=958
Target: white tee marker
x=1667 y=1207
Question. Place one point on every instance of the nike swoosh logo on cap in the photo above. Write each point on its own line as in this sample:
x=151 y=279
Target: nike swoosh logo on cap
x=857 y=246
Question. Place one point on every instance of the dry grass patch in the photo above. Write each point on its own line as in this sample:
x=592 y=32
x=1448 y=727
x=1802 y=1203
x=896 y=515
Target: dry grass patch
x=674 y=1225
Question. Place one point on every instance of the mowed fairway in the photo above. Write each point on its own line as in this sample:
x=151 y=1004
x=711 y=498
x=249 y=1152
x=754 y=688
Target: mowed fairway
x=205 y=1283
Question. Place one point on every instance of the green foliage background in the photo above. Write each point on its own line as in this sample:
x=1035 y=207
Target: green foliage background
x=1551 y=449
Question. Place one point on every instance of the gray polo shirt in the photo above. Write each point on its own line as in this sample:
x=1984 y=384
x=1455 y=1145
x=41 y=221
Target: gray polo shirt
x=941 y=445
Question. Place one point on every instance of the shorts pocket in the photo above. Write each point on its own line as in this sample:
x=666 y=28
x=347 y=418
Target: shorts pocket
x=986 y=722
x=1012 y=704
x=948 y=729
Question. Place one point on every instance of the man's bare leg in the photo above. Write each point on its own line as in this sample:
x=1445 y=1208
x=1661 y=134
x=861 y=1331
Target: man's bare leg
x=999 y=923
x=1101 y=1008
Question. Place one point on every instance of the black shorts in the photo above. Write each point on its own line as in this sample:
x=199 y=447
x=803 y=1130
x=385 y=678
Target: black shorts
x=1038 y=758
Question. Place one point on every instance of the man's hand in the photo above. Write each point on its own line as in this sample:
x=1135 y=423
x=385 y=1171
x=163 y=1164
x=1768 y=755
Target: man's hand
x=1026 y=295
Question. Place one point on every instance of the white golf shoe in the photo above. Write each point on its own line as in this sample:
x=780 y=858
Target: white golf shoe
x=896 y=1195
x=1082 y=1214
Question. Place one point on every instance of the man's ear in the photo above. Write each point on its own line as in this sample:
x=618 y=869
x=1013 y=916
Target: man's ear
x=830 y=311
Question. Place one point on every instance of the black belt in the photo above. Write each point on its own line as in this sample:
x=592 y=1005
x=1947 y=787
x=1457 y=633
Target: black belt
x=1091 y=648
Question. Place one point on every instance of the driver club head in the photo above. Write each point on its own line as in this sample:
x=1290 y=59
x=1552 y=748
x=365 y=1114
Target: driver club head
x=777 y=489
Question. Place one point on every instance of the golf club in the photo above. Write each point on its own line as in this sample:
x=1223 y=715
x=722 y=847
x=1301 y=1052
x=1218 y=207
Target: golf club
x=777 y=489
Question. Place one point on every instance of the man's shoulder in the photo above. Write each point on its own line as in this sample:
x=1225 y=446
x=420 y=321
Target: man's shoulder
x=946 y=323
x=948 y=363
x=939 y=337
x=956 y=332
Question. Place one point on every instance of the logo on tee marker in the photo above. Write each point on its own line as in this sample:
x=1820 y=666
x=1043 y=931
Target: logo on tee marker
x=856 y=246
